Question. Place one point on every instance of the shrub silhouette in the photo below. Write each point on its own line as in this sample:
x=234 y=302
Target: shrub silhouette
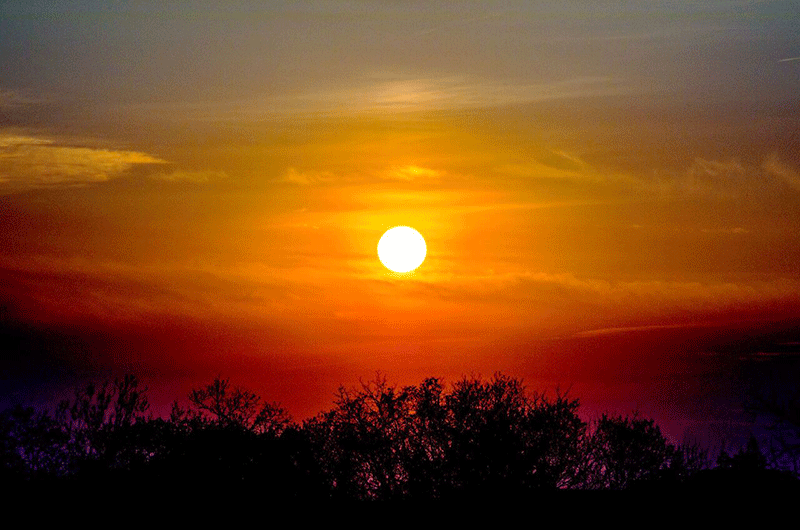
x=32 y=445
x=780 y=404
x=748 y=471
x=108 y=427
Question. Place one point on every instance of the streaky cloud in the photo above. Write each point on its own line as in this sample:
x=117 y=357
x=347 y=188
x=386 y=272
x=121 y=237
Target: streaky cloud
x=28 y=162
x=197 y=177
x=632 y=329
x=772 y=164
x=387 y=94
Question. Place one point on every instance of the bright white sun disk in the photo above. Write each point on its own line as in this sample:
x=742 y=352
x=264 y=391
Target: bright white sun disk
x=402 y=249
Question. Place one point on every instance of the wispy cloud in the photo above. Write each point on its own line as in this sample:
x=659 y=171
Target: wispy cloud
x=631 y=329
x=310 y=177
x=439 y=93
x=713 y=176
x=409 y=173
x=590 y=299
x=392 y=93
x=773 y=165
x=306 y=178
x=189 y=176
x=552 y=164
x=32 y=162
x=704 y=176
x=732 y=179
x=735 y=230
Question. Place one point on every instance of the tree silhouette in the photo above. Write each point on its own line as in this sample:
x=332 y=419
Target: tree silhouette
x=362 y=443
x=233 y=407
x=108 y=427
x=476 y=440
x=745 y=471
x=227 y=438
x=781 y=405
x=750 y=458
x=483 y=438
x=626 y=451
x=32 y=445
x=505 y=442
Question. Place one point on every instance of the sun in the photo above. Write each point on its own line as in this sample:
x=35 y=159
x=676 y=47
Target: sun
x=402 y=249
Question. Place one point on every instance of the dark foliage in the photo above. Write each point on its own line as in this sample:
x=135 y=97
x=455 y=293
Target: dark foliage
x=781 y=406
x=32 y=446
x=627 y=451
x=745 y=471
x=481 y=439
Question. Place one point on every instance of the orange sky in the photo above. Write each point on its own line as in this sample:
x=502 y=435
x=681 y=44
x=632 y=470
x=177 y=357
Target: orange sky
x=610 y=196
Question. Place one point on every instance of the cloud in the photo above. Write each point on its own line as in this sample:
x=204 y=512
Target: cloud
x=774 y=166
x=406 y=173
x=713 y=176
x=726 y=179
x=56 y=288
x=10 y=141
x=561 y=165
x=629 y=329
x=409 y=173
x=392 y=93
x=197 y=177
x=440 y=93
x=704 y=177
x=548 y=169
x=306 y=178
x=32 y=162
x=735 y=230
x=591 y=301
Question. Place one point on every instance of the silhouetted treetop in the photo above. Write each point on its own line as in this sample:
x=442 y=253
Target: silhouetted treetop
x=225 y=406
x=624 y=451
x=472 y=440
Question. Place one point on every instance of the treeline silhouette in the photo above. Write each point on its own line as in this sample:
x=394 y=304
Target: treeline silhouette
x=479 y=439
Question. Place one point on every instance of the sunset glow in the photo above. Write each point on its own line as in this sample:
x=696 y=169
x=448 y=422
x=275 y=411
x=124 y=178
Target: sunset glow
x=605 y=196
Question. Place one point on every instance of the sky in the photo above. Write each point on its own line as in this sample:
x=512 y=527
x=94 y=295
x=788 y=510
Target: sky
x=609 y=192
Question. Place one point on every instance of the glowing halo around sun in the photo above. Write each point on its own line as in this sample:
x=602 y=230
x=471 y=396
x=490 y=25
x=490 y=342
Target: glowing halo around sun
x=402 y=249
